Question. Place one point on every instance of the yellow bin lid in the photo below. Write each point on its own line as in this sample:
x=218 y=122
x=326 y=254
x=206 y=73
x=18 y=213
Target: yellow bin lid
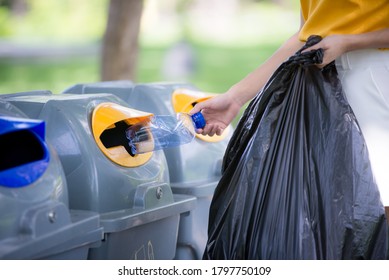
x=184 y=100
x=105 y=116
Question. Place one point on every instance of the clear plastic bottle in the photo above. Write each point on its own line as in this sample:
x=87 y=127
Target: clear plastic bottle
x=163 y=132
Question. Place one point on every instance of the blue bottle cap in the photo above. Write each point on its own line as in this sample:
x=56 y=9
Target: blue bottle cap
x=198 y=120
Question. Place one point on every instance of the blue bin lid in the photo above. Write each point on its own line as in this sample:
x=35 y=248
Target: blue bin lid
x=24 y=154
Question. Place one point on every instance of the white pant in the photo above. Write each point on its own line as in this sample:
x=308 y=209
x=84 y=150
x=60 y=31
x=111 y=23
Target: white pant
x=365 y=80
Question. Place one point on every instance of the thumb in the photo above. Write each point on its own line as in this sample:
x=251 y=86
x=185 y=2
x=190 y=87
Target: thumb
x=197 y=108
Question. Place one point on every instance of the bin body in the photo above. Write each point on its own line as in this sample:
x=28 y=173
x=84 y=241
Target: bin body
x=194 y=168
x=35 y=219
x=122 y=196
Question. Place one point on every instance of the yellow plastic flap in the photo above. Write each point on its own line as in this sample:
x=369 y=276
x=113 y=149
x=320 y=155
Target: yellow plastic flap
x=104 y=117
x=184 y=100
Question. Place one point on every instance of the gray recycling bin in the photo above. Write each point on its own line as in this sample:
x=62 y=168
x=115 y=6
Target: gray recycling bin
x=132 y=194
x=194 y=168
x=35 y=219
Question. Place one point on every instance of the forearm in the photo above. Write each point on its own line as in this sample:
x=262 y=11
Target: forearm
x=248 y=87
x=370 y=40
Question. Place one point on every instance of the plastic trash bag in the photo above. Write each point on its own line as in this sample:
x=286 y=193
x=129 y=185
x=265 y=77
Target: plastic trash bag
x=297 y=182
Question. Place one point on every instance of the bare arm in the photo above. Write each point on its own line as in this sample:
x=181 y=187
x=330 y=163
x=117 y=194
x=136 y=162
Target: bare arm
x=249 y=86
x=220 y=111
x=336 y=45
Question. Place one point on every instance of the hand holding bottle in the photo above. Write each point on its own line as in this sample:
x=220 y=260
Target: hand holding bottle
x=218 y=111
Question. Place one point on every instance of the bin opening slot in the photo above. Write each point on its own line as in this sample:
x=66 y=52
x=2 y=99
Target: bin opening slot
x=116 y=136
x=18 y=148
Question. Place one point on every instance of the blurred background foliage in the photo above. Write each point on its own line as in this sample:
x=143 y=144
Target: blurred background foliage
x=52 y=45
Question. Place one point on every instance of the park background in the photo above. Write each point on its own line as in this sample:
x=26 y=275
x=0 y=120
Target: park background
x=211 y=44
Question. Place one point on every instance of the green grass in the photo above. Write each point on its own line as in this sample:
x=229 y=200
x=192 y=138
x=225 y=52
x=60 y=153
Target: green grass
x=54 y=74
x=219 y=68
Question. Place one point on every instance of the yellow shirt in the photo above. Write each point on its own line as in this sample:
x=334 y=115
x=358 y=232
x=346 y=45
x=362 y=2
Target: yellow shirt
x=328 y=17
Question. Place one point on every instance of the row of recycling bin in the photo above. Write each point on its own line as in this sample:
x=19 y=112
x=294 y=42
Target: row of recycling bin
x=70 y=190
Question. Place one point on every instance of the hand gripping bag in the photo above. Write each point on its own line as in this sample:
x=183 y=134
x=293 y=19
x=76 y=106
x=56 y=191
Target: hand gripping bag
x=297 y=182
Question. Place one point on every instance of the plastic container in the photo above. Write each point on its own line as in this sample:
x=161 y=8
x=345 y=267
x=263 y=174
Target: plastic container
x=36 y=222
x=130 y=193
x=195 y=168
x=162 y=132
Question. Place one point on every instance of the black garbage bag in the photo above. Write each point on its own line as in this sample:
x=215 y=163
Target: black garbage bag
x=297 y=182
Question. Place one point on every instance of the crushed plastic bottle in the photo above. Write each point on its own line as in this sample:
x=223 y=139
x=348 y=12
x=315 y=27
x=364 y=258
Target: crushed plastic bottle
x=163 y=131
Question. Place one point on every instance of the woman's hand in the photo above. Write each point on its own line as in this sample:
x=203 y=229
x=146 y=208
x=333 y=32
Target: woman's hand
x=218 y=111
x=336 y=45
x=333 y=46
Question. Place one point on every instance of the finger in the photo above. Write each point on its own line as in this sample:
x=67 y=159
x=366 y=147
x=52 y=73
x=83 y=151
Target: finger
x=198 y=107
x=219 y=131
x=208 y=130
x=211 y=133
x=205 y=132
x=195 y=109
x=311 y=48
x=199 y=131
